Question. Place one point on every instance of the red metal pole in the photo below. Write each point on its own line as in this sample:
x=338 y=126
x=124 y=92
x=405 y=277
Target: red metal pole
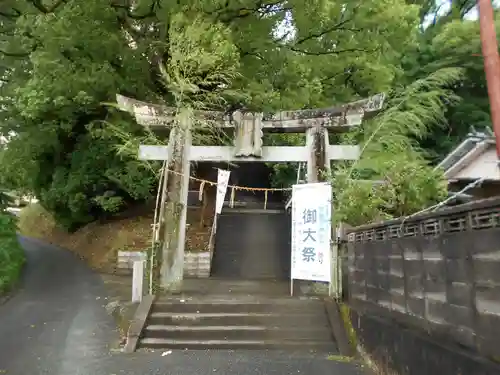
x=491 y=63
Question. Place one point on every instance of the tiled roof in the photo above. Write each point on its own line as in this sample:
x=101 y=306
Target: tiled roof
x=469 y=145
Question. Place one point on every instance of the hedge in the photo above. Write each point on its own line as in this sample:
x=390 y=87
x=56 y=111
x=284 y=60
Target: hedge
x=11 y=253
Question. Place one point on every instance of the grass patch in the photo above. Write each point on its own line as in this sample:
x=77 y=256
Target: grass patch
x=340 y=358
x=376 y=367
x=11 y=253
x=346 y=318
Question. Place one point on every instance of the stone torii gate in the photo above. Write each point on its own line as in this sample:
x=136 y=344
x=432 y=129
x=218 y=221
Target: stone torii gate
x=248 y=132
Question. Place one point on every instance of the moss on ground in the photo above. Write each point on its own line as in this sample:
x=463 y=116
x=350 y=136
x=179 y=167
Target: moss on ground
x=340 y=358
x=345 y=314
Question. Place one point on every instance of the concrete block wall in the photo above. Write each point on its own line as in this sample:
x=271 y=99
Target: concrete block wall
x=438 y=272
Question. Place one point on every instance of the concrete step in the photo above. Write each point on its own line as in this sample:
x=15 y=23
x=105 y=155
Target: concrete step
x=216 y=286
x=162 y=343
x=236 y=318
x=239 y=298
x=237 y=306
x=238 y=333
x=237 y=314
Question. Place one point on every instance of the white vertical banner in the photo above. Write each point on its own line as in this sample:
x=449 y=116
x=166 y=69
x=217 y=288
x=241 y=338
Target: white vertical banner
x=222 y=183
x=311 y=232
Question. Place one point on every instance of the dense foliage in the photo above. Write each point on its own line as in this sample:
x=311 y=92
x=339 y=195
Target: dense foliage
x=451 y=39
x=393 y=177
x=437 y=101
x=11 y=253
x=62 y=60
x=439 y=97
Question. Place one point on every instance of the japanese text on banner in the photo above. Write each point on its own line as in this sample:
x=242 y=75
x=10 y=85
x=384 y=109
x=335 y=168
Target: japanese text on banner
x=311 y=216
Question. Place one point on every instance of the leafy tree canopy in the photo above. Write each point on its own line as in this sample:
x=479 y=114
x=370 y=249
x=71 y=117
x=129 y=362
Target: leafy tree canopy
x=451 y=40
x=60 y=60
x=393 y=178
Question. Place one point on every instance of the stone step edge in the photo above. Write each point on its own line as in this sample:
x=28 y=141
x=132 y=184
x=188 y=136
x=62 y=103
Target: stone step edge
x=240 y=301
x=160 y=314
x=237 y=294
x=231 y=343
x=200 y=316
x=253 y=328
x=202 y=311
x=163 y=314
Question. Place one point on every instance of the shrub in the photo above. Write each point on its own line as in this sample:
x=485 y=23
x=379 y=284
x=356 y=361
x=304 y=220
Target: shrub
x=11 y=253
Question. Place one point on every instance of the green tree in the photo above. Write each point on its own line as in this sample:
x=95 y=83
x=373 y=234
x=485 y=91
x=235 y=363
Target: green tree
x=451 y=40
x=61 y=60
x=69 y=59
x=393 y=177
x=11 y=253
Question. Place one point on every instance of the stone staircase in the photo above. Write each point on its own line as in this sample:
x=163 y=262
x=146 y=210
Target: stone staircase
x=237 y=319
x=252 y=243
x=245 y=302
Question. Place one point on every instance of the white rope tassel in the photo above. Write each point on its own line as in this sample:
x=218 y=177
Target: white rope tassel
x=231 y=202
x=265 y=200
x=200 y=192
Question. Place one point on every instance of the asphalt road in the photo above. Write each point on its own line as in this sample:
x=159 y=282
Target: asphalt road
x=56 y=324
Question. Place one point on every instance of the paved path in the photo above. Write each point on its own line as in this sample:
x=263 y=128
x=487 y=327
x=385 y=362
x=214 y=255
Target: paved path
x=56 y=324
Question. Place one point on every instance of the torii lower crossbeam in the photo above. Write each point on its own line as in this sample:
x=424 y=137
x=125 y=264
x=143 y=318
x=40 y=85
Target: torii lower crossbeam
x=270 y=154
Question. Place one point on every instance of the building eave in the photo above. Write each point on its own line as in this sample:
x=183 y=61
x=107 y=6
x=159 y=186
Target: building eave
x=467 y=159
x=465 y=153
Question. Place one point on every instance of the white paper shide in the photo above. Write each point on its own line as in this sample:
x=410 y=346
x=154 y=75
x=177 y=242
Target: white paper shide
x=311 y=232
x=222 y=183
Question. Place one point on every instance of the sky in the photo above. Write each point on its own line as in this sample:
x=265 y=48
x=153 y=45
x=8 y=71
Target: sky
x=472 y=15
x=286 y=28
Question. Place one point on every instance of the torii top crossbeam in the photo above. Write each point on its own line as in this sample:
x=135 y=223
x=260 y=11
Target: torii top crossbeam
x=333 y=118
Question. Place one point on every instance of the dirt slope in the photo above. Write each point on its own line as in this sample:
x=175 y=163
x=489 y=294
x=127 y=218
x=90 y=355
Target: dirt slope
x=99 y=242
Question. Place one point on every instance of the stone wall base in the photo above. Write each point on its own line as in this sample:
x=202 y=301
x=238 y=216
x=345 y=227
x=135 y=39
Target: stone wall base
x=404 y=350
x=197 y=265
x=310 y=288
